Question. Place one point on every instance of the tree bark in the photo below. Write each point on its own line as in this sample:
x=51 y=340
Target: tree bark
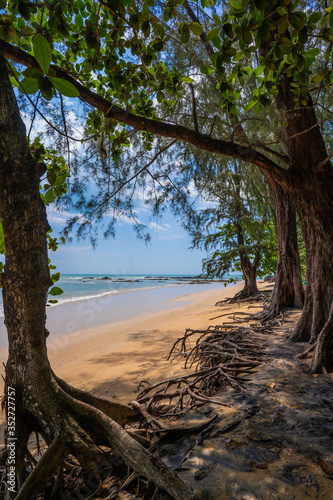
x=69 y=420
x=249 y=270
x=310 y=184
x=288 y=288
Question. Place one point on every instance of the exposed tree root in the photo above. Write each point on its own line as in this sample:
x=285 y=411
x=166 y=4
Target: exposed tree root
x=122 y=414
x=46 y=466
x=240 y=297
x=304 y=354
x=269 y=314
x=222 y=356
x=70 y=426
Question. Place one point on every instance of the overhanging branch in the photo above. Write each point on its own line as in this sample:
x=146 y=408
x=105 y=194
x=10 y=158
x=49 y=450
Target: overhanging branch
x=201 y=141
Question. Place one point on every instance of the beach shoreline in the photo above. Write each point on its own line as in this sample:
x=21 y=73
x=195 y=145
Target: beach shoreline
x=111 y=359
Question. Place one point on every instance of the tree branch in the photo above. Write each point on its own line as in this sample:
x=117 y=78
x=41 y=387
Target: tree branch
x=203 y=36
x=201 y=141
x=194 y=109
x=281 y=157
x=326 y=160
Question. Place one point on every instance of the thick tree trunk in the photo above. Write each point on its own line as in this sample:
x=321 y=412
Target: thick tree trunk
x=69 y=420
x=316 y=215
x=249 y=269
x=288 y=288
x=310 y=184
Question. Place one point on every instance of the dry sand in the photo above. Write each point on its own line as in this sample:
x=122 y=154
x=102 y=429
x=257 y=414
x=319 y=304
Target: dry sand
x=110 y=360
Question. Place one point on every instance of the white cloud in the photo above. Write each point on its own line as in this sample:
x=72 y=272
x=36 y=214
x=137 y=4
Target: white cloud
x=159 y=227
x=55 y=216
x=122 y=218
x=172 y=236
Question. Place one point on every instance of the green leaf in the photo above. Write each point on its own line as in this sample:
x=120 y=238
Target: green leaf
x=315 y=17
x=238 y=56
x=259 y=70
x=185 y=35
x=187 y=79
x=55 y=277
x=206 y=70
x=60 y=180
x=303 y=35
x=285 y=43
x=227 y=28
x=46 y=88
x=49 y=196
x=330 y=19
x=196 y=28
x=217 y=19
x=3 y=4
x=249 y=105
x=318 y=78
x=246 y=35
x=239 y=4
x=213 y=33
x=51 y=177
x=78 y=20
x=312 y=53
x=297 y=20
x=55 y=291
x=64 y=87
x=29 y=85
x=42 y=51
x=247 y=70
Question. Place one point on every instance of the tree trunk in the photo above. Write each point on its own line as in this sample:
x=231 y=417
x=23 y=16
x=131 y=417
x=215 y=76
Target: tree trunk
x=316 y=215
x=69 y=420
x=249 y=269
x=310 y=184
x=288 y=288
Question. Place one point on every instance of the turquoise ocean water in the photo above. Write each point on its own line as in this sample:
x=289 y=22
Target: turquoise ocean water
x=77 y=287
x=92 y=300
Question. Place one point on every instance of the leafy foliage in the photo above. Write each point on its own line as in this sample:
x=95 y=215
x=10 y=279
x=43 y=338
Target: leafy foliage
x=258 y=237
x=245 y=221
x=144 y=57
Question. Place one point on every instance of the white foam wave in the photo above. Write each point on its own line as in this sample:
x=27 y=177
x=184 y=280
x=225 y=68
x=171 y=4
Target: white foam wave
x=82 y=297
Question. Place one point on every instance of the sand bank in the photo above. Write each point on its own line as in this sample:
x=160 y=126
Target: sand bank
x=111 y=358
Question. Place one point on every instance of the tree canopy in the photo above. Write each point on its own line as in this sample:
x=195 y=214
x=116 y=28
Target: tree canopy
x=113 y=56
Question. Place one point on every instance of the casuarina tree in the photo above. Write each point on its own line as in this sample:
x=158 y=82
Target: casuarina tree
x=110 y=55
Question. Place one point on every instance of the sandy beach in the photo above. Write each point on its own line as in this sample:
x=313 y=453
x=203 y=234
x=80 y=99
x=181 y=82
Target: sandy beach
x=111 y=359
x=261 y=444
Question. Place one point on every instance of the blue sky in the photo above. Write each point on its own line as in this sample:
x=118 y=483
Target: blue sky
x=167 y=253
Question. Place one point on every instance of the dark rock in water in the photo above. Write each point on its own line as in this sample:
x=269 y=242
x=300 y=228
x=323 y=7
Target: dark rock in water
x=105 y=278
x=203 y=472
x=298 y=474
x=88 y=278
